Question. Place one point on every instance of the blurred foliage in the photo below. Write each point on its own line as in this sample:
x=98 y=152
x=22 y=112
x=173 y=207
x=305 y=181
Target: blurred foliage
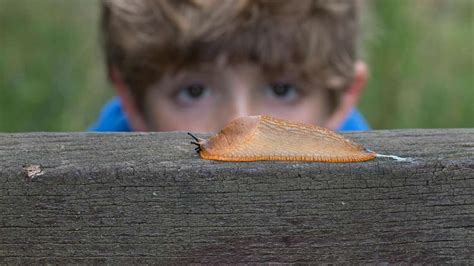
x=51 y=71
x=421 y=57
x=420 y=54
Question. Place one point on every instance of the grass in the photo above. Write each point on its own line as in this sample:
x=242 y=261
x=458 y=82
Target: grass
x=420 y=54
x=51 y=70
x=422 y=65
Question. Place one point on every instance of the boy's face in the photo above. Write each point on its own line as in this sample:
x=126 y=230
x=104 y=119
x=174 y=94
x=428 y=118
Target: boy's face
x=207 y=97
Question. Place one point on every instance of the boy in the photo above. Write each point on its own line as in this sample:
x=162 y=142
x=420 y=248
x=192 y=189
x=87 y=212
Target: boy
x=194 y=65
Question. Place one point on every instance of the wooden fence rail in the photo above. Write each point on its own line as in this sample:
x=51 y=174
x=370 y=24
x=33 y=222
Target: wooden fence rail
x=149 y=198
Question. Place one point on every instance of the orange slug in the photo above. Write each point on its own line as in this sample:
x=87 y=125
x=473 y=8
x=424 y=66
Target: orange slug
x=257 y=138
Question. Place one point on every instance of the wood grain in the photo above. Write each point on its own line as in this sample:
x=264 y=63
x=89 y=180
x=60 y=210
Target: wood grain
x=149 y=198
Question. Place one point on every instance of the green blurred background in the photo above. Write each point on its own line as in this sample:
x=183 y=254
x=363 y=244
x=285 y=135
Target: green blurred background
x=420 y=53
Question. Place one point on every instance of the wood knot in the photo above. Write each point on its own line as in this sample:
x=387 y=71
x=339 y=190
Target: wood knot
x=32 y=171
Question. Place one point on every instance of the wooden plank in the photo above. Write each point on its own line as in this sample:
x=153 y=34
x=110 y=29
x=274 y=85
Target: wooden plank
x=148 y=198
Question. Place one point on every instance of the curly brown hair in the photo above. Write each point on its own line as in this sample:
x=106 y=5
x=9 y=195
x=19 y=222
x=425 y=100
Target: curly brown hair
x=145 y=38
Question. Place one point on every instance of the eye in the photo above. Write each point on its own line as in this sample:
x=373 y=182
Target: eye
x=192 y=93
x=283 y=91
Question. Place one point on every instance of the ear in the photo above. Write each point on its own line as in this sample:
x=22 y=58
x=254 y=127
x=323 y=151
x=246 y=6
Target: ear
x=129 y=104
x=350 y=97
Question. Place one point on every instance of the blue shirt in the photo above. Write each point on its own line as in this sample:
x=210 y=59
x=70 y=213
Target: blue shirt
x=112 y=118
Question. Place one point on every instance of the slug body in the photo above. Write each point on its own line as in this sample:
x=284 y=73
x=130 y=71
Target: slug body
x=256 y=138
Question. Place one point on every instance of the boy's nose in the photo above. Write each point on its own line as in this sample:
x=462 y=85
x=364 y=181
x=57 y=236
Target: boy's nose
x=238 y=107
x=239 y=103
x=240 y=97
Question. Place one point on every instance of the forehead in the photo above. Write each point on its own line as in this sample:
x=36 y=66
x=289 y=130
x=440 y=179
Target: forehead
x=218 y=67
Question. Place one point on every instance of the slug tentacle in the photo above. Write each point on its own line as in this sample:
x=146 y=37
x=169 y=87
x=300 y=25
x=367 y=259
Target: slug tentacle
x=256 y=138
x=196 y=142
x=194 y=137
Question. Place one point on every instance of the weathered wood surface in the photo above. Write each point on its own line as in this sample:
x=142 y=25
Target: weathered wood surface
x=136 y=198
